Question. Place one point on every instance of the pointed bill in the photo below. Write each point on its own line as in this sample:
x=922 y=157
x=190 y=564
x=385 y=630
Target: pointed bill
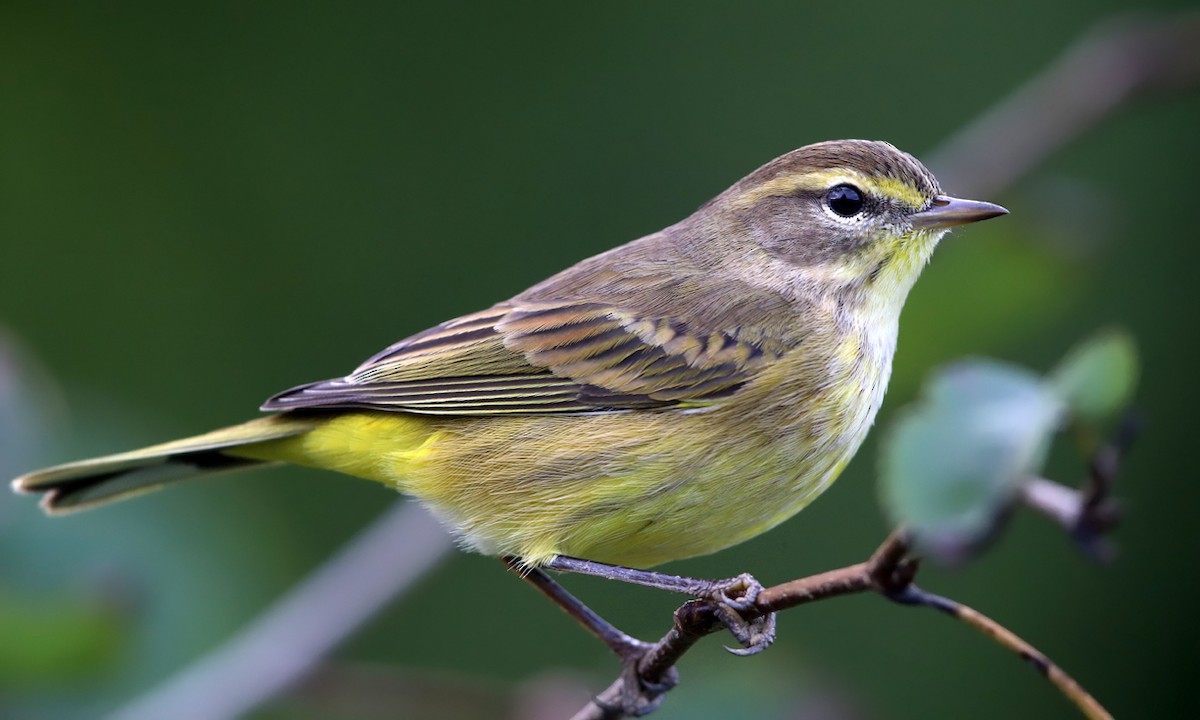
x=946 y=212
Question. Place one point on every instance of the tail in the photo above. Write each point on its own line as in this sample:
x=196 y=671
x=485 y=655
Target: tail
x=87 y=483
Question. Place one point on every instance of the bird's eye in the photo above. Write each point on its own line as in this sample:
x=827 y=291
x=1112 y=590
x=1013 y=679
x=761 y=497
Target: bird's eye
x=845 y=200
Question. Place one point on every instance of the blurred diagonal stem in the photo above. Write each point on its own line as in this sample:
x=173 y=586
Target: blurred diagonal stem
x=1121 y=59
x=1114 y=63
x=285 y=642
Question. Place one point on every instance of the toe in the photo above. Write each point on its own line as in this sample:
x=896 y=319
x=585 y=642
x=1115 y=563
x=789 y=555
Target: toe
x=730 y=600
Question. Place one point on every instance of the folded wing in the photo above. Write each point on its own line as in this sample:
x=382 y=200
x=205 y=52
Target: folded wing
x=544 y=357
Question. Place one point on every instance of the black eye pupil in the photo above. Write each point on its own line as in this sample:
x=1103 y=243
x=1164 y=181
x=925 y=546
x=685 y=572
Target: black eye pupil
x=845 y=200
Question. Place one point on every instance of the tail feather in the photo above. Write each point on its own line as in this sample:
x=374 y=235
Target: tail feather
x=80 y=485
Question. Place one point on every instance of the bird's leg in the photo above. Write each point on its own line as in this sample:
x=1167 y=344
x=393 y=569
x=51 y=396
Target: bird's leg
x=729 y=598
x=619 y=642
x=642 y=696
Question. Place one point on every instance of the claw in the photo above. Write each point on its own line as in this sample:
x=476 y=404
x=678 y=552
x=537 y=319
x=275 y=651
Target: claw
x=732 y=597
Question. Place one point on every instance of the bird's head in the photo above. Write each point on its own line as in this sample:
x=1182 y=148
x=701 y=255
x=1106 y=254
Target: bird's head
x=850 y=216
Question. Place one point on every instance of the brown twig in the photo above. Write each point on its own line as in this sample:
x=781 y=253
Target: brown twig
x=1004 y=637
x=696 y=618
x=889 y=572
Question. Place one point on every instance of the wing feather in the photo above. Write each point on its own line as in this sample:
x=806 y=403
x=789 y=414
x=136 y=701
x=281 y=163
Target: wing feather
x=544 y=357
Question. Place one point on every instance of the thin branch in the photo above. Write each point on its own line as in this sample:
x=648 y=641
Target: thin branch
x=1004 y=637
x=889 y=572
x=285 y=643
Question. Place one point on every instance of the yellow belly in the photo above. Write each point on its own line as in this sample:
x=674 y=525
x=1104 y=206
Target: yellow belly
x=633 y=488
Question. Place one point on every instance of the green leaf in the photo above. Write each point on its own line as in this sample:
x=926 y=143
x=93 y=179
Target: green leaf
x=954 y=461
x=1097 y=378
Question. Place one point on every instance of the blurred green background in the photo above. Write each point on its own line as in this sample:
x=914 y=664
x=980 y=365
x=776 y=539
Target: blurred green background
x=200 y=206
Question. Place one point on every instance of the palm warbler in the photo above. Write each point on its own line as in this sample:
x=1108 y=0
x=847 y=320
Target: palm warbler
x=665 y=399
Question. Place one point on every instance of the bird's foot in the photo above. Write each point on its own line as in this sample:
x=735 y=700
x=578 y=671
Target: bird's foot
x=730 y=600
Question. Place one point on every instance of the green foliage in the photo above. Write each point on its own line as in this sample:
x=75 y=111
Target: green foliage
x=963 y=451
x=953 y=463
x=1098 y=377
